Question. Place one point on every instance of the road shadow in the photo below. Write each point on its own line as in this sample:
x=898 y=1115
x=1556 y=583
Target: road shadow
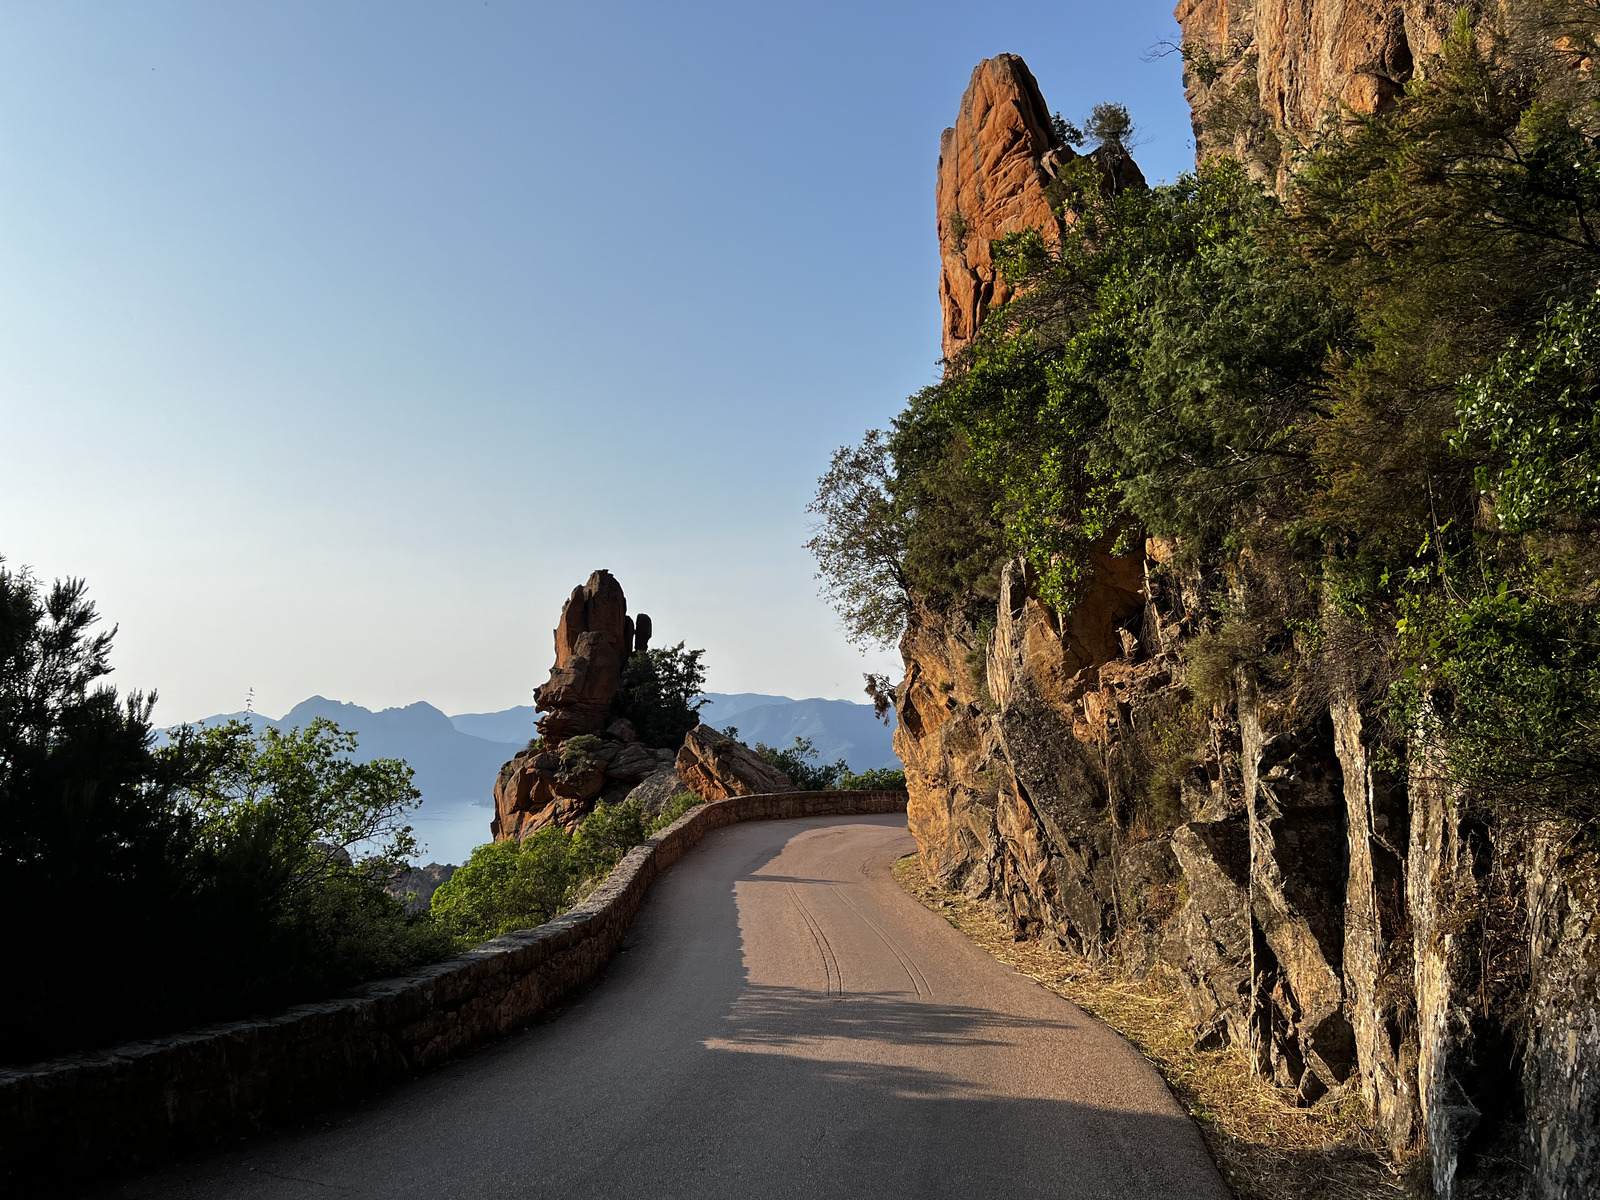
x=766 y=1015
x=676 y=1076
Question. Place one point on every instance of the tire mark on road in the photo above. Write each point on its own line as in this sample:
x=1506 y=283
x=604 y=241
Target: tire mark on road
x=830 y=962
x=919 y=981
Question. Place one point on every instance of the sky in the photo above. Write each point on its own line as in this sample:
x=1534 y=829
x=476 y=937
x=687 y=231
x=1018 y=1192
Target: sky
x=340 y=340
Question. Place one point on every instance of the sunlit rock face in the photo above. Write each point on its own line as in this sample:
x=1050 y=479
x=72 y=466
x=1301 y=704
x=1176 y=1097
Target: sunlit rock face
x=1257 y=71
x=994 y=164
x=1301 y=874
x=714 y=766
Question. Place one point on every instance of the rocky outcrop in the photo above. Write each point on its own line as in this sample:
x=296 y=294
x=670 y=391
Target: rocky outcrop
x=996 y=167
x=585 y=752
x=414 y=886
x=1260 y=74
x=715 y=767
x=1304 y=877
x=593 y=640
x=654 y=791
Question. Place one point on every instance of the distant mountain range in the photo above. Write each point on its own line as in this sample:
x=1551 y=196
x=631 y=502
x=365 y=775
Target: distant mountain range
x=456 y=758
x=838 y=728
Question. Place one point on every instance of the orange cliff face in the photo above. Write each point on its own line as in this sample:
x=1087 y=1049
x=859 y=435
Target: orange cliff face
x=1259 y=69
x=993 y=168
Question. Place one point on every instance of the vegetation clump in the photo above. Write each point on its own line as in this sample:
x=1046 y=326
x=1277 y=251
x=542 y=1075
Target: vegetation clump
x=238 y=871
x=511 y=885
x=661 y=694
x=1372 y=398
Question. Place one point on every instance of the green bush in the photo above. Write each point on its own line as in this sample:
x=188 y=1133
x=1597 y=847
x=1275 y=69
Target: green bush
x=676 y=806
x=873 y=779
x=579 y=754
x=797 y=763
x=511 y=885
x=660 y=694
x=506 y=886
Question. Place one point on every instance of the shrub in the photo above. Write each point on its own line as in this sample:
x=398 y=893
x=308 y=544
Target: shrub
x=660 y=694
x=243 y=872
x=873 y=779
x=506 y=886
x=677 y=804
x=578 y=754
x=796 y=763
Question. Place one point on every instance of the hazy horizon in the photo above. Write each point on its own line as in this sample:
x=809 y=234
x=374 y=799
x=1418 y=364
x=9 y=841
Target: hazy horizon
x=344 y=339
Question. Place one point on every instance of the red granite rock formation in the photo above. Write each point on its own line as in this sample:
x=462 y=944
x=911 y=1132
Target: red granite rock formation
x=1260 y=70
x=592 y=642
x=993 y=168
x=715 y=767
x=995 y=164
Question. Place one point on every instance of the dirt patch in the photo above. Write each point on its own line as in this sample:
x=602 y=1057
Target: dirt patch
x=1265 y=1146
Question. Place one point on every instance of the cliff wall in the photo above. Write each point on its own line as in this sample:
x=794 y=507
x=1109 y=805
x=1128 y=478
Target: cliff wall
x=1261 y=74
x=1126 y=782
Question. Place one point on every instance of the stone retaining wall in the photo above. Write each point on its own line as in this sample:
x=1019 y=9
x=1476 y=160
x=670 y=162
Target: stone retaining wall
x=138 y=1103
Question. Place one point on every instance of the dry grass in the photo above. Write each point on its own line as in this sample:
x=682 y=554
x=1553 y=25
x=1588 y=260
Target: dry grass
x=1266 y=1148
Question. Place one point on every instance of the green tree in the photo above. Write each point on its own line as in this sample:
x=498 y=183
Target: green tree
x=223 y=860
x=799 y=763
x=661 y=694
x=88 y=830
x=506 y=886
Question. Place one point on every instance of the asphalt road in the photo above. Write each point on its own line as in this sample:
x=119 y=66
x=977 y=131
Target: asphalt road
x=783 y=1021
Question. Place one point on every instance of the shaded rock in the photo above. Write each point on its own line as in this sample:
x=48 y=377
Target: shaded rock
x=591 y=645
x=1563 y=1054
x=657 y=788
x=622 y=730
x=715 y=767
x=536 y=790
x=1294 y=798
x=415 y=886
x=1377 y=931
x=632 y=762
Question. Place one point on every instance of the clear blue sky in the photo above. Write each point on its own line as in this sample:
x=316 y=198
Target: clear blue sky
x=339 y=340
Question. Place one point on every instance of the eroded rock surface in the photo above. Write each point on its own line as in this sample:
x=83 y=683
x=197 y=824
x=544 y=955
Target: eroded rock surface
x=1261 y=73
x=1349 y=924
x=714 y=766
x=593 y=640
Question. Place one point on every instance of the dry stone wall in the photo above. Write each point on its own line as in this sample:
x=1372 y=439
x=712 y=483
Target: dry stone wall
x=138 y=1103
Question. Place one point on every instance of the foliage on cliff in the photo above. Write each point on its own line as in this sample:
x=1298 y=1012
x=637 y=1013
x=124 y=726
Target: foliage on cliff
x=1379 y=391
x=210 y=878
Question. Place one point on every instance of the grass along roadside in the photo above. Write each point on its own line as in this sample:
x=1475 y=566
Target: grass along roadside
x=1266 y=1148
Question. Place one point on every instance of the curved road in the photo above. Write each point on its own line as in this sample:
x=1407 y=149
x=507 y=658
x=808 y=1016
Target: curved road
x=783 y=1021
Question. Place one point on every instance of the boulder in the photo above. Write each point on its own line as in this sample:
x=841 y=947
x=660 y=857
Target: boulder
x=536 y=790
x=632 y=763
x=657 y=788
x=715 y=767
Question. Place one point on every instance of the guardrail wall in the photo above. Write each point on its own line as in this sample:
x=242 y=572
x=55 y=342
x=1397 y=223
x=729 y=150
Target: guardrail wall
x=140 y=1102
